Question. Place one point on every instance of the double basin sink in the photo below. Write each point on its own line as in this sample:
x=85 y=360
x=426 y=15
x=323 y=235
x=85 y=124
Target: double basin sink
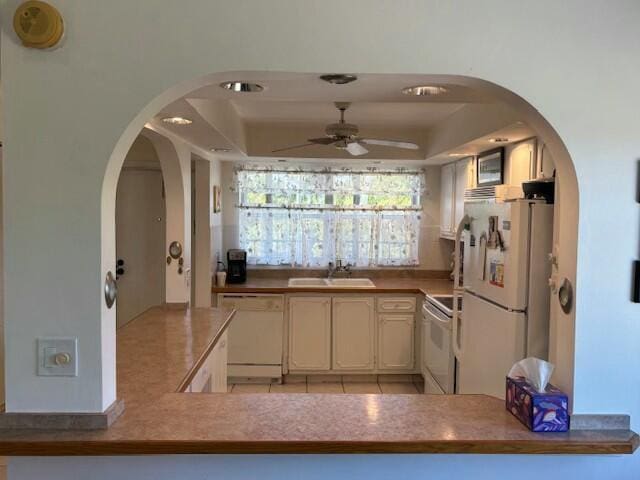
x=331 y=282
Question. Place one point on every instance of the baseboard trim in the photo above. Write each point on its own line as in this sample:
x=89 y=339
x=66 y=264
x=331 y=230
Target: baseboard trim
x=600 y=422
x=62 y=421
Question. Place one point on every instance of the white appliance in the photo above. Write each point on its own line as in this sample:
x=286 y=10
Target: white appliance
x=438 y=360
x=255 y=335
x=505 y=293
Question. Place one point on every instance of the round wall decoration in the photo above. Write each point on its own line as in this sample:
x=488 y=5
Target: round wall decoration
x=38 y=24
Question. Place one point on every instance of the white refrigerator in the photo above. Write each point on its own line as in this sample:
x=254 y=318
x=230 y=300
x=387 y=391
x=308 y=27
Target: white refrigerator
x=505 y=306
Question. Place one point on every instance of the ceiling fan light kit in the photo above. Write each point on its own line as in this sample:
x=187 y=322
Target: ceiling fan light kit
x=344 y=136
x=338 y=78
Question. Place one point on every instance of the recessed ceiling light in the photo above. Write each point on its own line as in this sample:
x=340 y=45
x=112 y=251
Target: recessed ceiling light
x=460 y=154
x=425 y=90
x=499 y=140
x=338 y=78
x=378 y=162
x=282 y=160
x=243 y=87
x=177 y=120
x=220 y=150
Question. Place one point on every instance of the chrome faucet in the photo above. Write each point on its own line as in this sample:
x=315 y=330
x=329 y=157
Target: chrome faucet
x=338 y=267
x=331 y=269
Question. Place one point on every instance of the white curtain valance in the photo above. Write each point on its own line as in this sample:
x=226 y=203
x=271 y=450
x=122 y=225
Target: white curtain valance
x=308 y=218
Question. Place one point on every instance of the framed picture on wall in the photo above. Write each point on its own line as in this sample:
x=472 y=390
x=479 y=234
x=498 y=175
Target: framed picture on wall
x=491 y=167
x=217 y=200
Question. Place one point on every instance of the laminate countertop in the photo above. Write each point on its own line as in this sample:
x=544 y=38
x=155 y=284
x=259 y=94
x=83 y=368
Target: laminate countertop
x=381 y=285
x=158 y=349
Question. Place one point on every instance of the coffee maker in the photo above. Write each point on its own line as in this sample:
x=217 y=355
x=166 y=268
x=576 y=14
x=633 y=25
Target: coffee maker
x=236 y=266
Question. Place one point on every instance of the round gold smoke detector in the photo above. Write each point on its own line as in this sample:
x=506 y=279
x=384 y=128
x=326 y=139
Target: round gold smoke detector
x=38 y=24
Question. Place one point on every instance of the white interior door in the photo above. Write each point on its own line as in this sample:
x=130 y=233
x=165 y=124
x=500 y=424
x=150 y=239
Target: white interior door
x=493 y=339
x=140 y=232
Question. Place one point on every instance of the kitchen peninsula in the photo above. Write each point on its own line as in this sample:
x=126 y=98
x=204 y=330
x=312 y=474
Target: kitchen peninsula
x=159 y=349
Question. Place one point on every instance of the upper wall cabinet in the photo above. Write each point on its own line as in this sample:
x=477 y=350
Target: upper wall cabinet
x=454 y=180
x=520 y=162
x=447 y=190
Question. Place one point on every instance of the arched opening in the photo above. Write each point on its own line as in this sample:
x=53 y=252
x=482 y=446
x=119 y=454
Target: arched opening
x=252 y=129
x=140 y=233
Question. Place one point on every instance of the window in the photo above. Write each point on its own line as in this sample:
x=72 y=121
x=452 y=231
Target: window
x=309 y=218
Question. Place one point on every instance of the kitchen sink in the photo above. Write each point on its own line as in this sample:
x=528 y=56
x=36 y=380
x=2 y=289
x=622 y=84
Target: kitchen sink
x=308 y=282
x=351 y=282
x=331 y=282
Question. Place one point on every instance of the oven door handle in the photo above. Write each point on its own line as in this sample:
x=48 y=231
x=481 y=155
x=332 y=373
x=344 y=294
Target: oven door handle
x=455 y=330
x=432 y=315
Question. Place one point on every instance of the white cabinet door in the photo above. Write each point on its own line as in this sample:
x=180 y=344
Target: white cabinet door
x=396 y=341
x=309 y=333
x=447 y=176
x=463 y=171
x=353 y=333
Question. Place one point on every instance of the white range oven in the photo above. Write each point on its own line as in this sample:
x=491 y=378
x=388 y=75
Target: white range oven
x=438 y=360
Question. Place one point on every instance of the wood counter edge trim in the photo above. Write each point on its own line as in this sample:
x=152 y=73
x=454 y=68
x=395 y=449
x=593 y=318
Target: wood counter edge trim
x=187 y=447
x=188 y=378
x=373 y=290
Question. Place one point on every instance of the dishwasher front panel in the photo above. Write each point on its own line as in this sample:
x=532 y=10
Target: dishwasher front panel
x=256 y=331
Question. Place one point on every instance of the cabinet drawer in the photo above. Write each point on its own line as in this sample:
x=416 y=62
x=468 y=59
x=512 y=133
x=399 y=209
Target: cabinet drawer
x=397 y=304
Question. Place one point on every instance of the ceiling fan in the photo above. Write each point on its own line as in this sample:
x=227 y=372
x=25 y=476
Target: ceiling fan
x=344 y=136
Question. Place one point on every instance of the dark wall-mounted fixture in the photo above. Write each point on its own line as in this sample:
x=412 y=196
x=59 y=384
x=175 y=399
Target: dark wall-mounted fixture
x=175 y=249
x=635 y=280
x=565 y=296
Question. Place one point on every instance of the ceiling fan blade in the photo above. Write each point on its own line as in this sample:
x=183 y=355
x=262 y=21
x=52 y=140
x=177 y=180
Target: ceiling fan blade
x=389 y=143
x=291 y=148
x=322 y=140
x=355 y=149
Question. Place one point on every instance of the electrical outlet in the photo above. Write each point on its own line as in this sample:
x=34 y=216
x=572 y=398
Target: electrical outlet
x=57 y=356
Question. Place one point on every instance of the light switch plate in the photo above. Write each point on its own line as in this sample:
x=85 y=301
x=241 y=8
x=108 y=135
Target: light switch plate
x=49 y=348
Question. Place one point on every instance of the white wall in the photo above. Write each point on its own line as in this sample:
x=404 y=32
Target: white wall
x=175 y=159
x=323 y=467
x=201 y=264
x=434 y=253
x=555 y=56
x=217 y=252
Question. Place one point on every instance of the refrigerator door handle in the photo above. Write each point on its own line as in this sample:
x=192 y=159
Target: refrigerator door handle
x=482 y=257
x=457 y=289
x=456 y=258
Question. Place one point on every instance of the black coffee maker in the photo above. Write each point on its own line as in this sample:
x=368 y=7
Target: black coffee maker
x=236 y=266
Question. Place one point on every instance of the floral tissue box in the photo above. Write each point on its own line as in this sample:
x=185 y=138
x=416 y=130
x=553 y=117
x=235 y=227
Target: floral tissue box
x=540 y=412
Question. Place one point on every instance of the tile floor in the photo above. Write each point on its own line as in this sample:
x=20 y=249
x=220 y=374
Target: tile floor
x=405 y=384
